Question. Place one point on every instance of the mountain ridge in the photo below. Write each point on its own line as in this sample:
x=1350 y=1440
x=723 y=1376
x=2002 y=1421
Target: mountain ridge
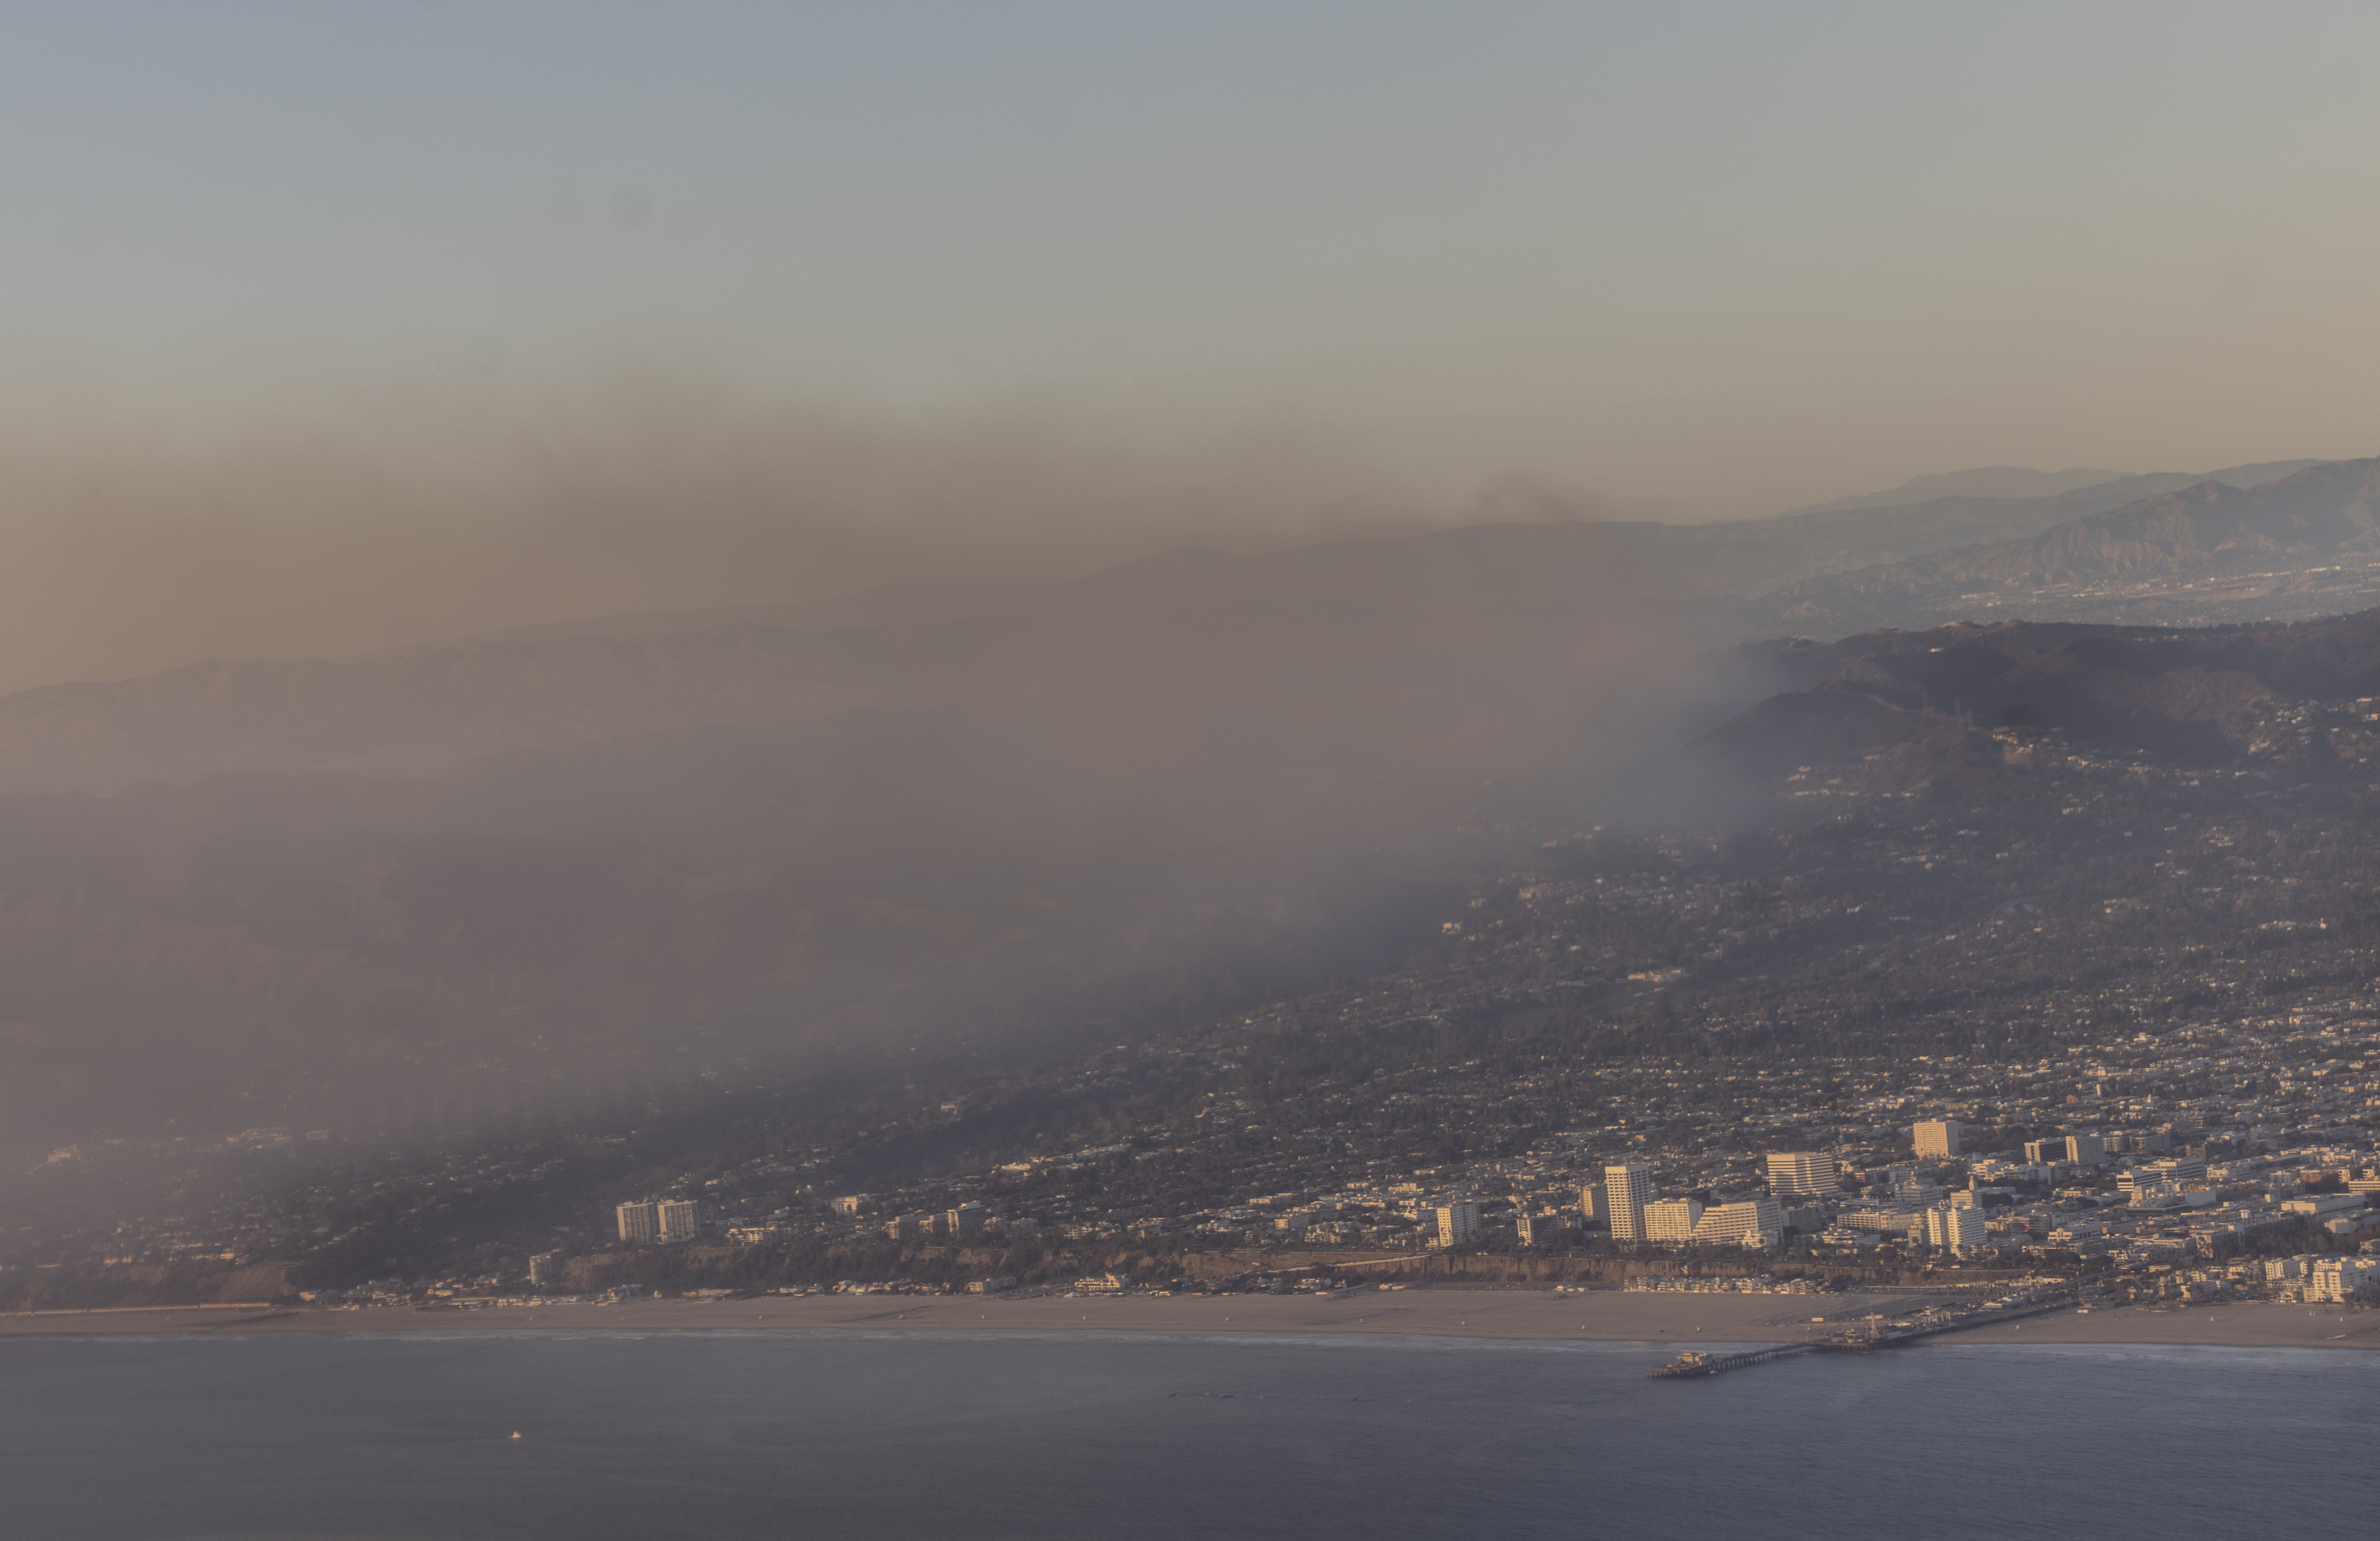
x=2320 y=521
x=1360 y=605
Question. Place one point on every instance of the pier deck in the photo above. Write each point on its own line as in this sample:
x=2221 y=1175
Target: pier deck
x=1693 y=1363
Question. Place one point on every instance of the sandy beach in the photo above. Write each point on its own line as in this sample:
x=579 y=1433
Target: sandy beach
x=1602 y=1316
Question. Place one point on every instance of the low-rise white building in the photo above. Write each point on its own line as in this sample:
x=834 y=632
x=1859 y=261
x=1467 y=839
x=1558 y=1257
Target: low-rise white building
x=2341 y=1280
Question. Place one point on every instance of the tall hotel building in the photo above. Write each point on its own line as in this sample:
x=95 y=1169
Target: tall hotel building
x=1800 y=1174
x=1629 y=1187
x=639 y=1222
x=668 y=1219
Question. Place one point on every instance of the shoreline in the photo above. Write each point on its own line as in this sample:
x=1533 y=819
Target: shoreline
x=1664 y=1320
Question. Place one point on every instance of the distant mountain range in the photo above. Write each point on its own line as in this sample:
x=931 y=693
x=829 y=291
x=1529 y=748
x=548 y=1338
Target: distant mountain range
x=1981 y=481
x=1473 y=594
x=2304 y=544
x=417 y=890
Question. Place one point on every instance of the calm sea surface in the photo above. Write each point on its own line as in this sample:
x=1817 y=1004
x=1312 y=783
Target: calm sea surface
x=836 y=1434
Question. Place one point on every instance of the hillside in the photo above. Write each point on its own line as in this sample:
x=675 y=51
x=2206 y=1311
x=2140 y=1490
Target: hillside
x=414 y=893
x=1962 y=712
x=421 y=891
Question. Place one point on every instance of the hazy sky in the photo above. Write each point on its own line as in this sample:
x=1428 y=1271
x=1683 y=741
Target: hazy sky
x=1273 y=265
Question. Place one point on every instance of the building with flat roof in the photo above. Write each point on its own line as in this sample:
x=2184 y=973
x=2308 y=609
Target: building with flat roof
x=2082 y=1150
x=1673 y=1220
x=2341 y=1279
x=680 y=1219
x=1628 y=1188
x=639 y=1222
x=1547 y=1228
x=1954 y=1228
x=1458 y=1222
x=1745 y=1222
x=1937 y=1139
x=1800 y=1174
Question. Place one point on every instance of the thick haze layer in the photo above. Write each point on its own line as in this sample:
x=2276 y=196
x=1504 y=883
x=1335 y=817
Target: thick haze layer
x=316 y=321
x=387 y=518
x=1006 y=410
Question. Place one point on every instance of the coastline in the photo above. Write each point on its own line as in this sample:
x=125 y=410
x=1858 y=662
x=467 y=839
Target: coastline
x=1599 y=1316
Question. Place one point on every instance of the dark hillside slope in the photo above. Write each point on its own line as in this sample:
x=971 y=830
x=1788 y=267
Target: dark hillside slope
x=1893 y=713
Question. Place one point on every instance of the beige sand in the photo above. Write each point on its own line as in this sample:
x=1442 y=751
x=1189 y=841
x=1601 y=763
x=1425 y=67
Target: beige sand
x=1602 y=1316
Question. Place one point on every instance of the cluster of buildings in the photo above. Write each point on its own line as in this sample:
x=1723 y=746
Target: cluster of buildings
x=1918 y=1210
x=1622 y=1199
x=2131 y=1196
x=1721 y=1284
x=2140 y=1195
x=2330 y=1279
x=961 y=1222
x=660 y=1219
x=1619 y=1202
x=2184 y=1100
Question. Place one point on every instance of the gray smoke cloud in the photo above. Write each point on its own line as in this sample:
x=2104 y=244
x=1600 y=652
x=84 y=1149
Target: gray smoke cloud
x=999 y=798
x=372 y=518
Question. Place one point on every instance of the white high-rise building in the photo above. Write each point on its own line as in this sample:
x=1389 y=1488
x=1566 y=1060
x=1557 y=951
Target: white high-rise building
x=1628 y=1188
x=545 y=1268
x=639 y=1222
x=1673 y=1220
x=1748 y=1222
x=1458 y=1223
x=1937 y=1139
x=1954 y=1228
x=1802 y=1174
x=681 y=1219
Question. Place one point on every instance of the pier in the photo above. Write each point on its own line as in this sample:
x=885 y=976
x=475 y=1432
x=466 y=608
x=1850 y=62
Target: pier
x=1694 y=1363
x=1862 y=1338
x=1868 y=1338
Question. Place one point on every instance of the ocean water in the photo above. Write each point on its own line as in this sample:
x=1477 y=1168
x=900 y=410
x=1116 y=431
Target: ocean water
x=1121 y=1437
